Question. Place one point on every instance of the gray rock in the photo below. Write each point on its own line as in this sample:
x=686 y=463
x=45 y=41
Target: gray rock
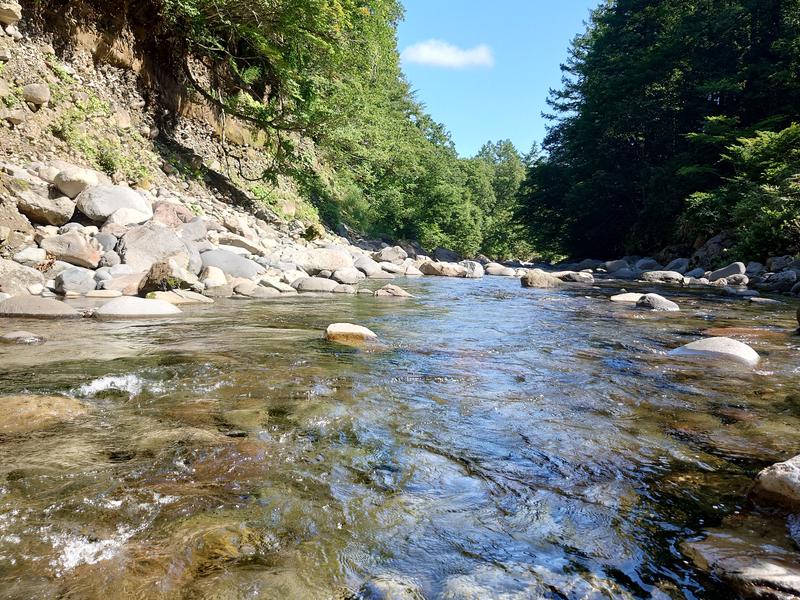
x=736 y=268
x=366 y=265
x=252 y=290
x=474 y=269
x=612 y=266
x=323 y=259
x=40 y=208
x=315 y=284
x=399 y=269
x=778 y=282
x=132 y=307
x=737 y=279
x=673 y=277
x=145 y=245
x=754 y=268
x=695 y=273
x=779 y=485
x=574 y=277
x=719 y=348
x=349 y=275
x=232 y=264
x=36 y=93
x=30 y=256
x=107 y=241
x=110 y=259
x=100 y=202
x=75 y=280
x=498 y=270
x=680 y=265
x=74 y=248
x=536 y=278
x=445 y=255
x=16 y=278
x=625 y=274
x=394 y=254
x=348 y=333
x=779 y=263
x=627 y=298
x=73 y=180
x=34 y=307
x=657 y=303
x=648 y=264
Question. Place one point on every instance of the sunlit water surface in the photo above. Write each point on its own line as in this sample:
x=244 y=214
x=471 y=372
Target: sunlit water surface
x=502 y=442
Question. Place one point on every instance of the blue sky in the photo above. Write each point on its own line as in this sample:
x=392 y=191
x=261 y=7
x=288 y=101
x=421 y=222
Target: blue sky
x=483 y=67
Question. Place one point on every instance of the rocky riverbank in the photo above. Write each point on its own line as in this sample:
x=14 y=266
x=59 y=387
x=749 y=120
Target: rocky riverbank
x=116 y=227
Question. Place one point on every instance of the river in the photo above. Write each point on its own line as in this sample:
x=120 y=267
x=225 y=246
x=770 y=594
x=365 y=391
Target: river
x=501 y=442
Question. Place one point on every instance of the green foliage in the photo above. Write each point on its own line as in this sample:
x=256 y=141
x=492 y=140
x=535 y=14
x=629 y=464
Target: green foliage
x=329 y=71
x=655 y=96
x=105 y=153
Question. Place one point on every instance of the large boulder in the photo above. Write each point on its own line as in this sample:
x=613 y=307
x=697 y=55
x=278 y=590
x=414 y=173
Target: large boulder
x=681 y=265
x=169 y=274
x=713 y=250
x=445 y=255
x=323 y=259
x=142 y=246
x=613 y=266
x=27 y=413
x=443 y=269
x=101 y=201
x=574 y=277
x=647 y=264
x=536 y=278
x=348 y=275
x=36 y=93
x=663 y=277
x=75 y=248
x=498 y=270
x=315 y=284
x=736 y=268
x=780 y=484
x=132 y=307
x=347 y=333
x=368 y=266
x=232 y=264
x=74 y=180
x=43 y=209
x=15 y=278
x=394 y=254
x=76 y=280
x=720 y=348
x=657 y=303
x=474 y=269
x=35 y=307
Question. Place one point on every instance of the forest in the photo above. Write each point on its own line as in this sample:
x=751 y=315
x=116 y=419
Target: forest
x=675 y=120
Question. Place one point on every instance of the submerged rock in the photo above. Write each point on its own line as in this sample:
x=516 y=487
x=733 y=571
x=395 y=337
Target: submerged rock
x=347 y=333
x=25 y=413
x=719 y=348
x=392 y=291
x=21 y=337
x=390 y=588
x=756 y=557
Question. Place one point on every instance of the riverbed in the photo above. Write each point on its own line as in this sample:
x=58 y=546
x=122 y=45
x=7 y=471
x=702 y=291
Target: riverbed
x=500 y=441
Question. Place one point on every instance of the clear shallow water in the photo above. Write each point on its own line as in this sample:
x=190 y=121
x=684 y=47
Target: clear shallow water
x=504 y=443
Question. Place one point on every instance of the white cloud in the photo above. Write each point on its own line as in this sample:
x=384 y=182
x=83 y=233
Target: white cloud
x=436 y=53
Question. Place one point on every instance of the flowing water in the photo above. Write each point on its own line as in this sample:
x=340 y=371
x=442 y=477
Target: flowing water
x=501 y=443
